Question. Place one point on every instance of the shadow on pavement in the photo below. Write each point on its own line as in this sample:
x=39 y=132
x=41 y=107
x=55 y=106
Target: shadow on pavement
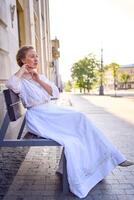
x=10 y=161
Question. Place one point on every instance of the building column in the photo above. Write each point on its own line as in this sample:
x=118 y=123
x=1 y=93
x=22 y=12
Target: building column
x=40 y=15
x=29 y=23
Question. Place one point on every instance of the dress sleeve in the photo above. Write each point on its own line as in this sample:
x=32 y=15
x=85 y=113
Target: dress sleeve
x=55 y=90
x=14 y=83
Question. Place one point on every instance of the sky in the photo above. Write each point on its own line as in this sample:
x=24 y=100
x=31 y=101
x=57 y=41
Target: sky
x=86 y=26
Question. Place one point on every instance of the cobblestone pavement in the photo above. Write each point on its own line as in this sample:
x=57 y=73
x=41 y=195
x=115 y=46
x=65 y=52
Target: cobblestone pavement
x=115 y=117
x=10 y=161
x=29 y=173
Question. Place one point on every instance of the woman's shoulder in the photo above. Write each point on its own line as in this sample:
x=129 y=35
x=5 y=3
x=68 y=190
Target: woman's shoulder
x=42 y=76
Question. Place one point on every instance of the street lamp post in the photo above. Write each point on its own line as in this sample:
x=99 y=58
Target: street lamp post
x=101 y=89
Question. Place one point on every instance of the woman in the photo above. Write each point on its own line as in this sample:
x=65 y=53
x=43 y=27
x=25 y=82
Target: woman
x=90 y=156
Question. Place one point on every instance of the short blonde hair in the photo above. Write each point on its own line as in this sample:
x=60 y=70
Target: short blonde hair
x=21 y=54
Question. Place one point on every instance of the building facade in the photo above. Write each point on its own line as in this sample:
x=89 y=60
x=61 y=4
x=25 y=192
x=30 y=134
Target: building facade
x=127 y=69
x=55 y=64
x=108 y=80
x=23 y=22
x=123 y=69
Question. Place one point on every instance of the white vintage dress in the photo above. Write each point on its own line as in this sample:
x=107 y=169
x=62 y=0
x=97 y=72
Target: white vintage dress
x=90 y=156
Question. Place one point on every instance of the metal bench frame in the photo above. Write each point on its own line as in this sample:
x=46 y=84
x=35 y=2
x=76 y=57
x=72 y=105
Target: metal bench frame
x=13 y=113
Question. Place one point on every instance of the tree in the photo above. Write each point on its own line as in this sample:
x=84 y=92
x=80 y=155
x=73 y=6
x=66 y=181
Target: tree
x=114 y=67
x=124 y=77
x=68 y=86
x=78 y=71
x=84 y=72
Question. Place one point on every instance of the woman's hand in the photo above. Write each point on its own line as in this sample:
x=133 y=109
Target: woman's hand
x=22 y=70
x=26 y=69
x=35 y=75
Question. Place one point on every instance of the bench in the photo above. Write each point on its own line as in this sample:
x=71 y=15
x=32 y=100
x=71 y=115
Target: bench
x=14 y=112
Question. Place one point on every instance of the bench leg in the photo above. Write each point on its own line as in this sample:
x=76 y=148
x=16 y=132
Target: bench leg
x=4 y=126
x=22 y=128
x=65 y=183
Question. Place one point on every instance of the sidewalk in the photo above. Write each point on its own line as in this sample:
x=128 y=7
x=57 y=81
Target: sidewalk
x=115 y=118
x=29 y=173
x=36 y=178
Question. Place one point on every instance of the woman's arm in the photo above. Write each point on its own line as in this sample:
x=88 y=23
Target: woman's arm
x=47 y=87
x=14 y=82
x=46 y=84
x=21 y=71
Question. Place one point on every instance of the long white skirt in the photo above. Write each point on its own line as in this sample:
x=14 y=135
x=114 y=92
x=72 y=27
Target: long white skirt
x=90 y=156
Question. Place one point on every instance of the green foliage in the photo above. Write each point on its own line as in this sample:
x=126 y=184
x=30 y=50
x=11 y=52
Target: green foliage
x=75 y=85
x=68 y=86
x=84 y=72
x=124 y=77
x=114 y=67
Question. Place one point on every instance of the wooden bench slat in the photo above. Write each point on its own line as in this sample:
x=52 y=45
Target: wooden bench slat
x=28 y=142
x=4 y=126
x=13 y=104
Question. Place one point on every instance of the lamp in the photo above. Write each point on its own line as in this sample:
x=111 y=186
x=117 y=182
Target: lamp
x=12 y=11
x=101 y=89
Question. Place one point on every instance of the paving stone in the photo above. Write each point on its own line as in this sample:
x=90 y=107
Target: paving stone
x=29 y=173
x=129 y=191
x=122 y=186
x=125 y=197
x=105 y=197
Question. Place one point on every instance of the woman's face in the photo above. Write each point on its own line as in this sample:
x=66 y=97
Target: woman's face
x=31 y=59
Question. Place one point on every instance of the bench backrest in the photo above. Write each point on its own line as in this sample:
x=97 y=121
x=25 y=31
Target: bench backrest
x=13 y=105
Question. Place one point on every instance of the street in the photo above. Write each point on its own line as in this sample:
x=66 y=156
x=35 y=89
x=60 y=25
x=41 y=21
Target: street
x=36 y=178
